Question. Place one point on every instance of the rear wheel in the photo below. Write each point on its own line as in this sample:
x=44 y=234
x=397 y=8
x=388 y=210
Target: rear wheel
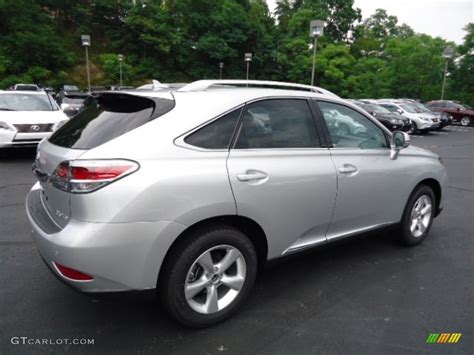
x=465 y=121
x=208 y=276
x=418 y=216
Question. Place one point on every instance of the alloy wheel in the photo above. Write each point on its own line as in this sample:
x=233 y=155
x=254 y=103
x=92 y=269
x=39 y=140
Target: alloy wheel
x=421 y=216
x=465 y=121
x=215 y=279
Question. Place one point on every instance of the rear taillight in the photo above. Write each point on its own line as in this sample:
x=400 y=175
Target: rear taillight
x=83 y=176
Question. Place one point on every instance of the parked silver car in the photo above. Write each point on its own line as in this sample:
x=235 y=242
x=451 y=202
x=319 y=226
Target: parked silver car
x=191 y=191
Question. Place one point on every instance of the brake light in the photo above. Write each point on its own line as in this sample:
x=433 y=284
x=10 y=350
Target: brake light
x=83 y=176
x=71 y=273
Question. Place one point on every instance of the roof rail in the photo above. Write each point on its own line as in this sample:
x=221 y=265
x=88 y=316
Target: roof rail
x=205 y=84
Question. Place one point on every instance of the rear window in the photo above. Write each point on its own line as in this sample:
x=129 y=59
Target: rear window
x=109 y=116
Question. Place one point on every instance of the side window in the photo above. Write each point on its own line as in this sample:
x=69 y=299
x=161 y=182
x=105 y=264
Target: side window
x=350 y=129
x=278 y=123
x=216 y=135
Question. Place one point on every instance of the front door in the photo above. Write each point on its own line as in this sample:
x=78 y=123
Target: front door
x=369 y=182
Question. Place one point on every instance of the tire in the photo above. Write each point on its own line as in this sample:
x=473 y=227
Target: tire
x=206 y=283
x=413 y=129
x=418 y=201
x=465 y=121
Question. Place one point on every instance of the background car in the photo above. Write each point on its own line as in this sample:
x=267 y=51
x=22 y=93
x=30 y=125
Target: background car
x=421 y=121
x=26 y=87
x=459 y=112
x=26 y=117
x=394 y=122
x=72 y=103
x=444 y=118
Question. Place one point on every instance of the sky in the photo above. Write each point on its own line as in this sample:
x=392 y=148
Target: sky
x=443 y=18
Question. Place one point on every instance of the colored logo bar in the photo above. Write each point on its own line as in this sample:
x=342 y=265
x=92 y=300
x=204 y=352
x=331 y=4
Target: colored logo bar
x=441 y=338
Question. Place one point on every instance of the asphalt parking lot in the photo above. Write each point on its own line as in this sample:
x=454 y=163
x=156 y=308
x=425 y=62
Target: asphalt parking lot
x=368 y=295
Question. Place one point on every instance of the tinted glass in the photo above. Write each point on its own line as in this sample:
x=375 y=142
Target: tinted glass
x=350 y=129
x=25 y=102
x=106 y=117
x=389 y=107
x=277 y=124
x=216 y=135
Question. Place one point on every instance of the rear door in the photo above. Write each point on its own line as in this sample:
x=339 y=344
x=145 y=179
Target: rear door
x=281 y=175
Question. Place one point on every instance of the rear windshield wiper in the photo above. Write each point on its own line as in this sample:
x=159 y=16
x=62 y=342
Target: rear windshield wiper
x=6 y=109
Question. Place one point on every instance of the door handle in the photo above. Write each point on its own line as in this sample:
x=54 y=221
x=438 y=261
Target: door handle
x=252 y=175
x=348 y=169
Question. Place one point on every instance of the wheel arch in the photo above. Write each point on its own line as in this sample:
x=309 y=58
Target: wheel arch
x=244 y=224
x=436 y=187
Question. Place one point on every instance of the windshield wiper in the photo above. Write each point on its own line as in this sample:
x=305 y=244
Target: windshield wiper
x=6 y=109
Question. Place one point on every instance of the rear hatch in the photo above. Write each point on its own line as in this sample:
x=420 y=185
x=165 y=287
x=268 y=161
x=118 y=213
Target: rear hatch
x=106 y=117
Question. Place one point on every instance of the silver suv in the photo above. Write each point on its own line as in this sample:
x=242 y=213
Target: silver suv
x=191 y=191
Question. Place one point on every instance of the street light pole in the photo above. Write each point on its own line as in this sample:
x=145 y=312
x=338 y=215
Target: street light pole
x=120 y=58
x=316 y=29
x=444 y=78
x=447 y=54
x=248 y=59
x=221 y=65
x=86 y=42
x=314 y=59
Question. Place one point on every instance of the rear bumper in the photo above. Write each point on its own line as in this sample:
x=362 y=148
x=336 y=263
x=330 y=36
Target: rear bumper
x=119 y=256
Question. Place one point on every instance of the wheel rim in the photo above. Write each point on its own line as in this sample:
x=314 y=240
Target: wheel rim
x=420 y=216
x=215 y=279
x=465 y=121
x=412 y=128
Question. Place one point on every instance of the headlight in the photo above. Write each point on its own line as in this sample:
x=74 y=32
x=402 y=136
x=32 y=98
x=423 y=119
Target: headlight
x=4 y=125
x=425 y=119
x=394 y=121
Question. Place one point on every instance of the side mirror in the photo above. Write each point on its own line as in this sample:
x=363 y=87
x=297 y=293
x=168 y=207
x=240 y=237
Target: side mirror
x=400 y=140
x=399 y=111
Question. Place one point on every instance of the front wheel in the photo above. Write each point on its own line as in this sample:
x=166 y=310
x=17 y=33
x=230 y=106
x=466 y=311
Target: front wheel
x=465 y=121
x=413 y=128
x=208 y=276
x=418 y=216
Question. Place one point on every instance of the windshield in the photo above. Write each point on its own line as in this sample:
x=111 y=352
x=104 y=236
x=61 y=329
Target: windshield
x=70 y=88
x=74 y=100
x=377 y=109
x=410 y=108
x=25 y=102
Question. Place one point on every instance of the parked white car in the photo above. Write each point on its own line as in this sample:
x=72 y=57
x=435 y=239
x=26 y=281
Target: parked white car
x=26 y=117
x=421 y=121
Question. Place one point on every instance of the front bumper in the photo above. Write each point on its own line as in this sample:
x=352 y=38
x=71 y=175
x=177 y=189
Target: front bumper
x=119 y=256
x=11 y=139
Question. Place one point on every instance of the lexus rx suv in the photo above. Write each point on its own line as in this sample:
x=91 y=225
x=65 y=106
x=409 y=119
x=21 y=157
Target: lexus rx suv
x=422 y=122
x=191 y=191
x=26 y=117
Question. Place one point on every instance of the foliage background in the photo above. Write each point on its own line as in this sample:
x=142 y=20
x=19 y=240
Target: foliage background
x=184 y=40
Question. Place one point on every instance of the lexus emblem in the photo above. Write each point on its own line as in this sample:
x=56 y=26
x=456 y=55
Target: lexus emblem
x=35 y=128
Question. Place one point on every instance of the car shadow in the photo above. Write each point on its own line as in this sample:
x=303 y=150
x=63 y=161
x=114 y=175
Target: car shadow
x=16 y=154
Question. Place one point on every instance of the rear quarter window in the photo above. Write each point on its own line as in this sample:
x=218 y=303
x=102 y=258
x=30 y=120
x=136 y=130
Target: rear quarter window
x=109 y=116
